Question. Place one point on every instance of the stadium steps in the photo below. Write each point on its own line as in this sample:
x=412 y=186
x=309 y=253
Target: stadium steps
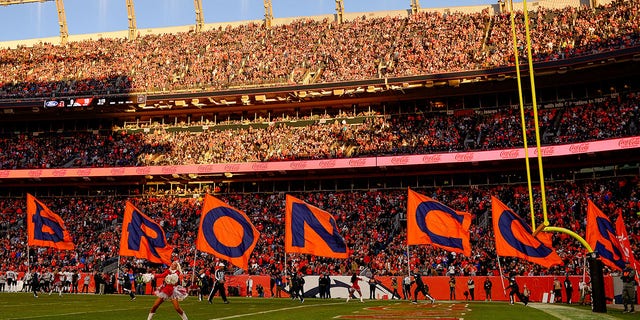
x=110 y=265
x=295 y=74
x=71 y=163
x=312 y=76
x=317 y=75
x=483 y=220
x=469 y=141
x=557 y=123
x=157 y=158
x=390 y=63
x=487 y=34
x=306 y=79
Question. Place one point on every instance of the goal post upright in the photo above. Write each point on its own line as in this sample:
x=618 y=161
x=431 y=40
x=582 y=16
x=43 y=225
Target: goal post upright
x=595 y=264
x=522 y=119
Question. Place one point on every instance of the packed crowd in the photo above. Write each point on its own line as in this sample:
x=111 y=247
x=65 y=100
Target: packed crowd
x=310 y=50
x=558 y=34
x=372 y=223
x=375 y=135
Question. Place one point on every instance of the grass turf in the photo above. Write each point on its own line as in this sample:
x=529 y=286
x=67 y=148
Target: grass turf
x=96 y=307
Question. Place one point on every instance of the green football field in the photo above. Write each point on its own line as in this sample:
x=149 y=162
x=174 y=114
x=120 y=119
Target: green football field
x=95 y=307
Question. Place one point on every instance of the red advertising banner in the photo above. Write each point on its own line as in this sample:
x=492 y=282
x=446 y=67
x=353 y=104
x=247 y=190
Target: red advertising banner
x=388 y=161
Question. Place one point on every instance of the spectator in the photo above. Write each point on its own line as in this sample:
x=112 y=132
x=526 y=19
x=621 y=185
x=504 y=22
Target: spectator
x=488 y=285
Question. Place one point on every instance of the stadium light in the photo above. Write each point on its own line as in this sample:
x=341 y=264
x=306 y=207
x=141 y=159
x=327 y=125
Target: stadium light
x=131 y=17
x=339 y=10
x=415 y=6
x=197 y=4
x=268 y=13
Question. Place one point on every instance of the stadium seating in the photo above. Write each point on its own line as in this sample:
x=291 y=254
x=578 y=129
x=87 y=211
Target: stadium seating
x=363 y=48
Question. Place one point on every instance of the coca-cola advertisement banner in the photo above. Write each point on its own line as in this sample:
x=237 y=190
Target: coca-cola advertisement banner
x=387 y=161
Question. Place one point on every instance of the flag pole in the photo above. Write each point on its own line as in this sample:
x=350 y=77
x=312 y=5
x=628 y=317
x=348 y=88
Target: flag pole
x=193 y=276
x=584 y=269
x=504 y=290
x=408 y=261
x=118 y=275
x=408 y=256
x=28 y=258
x=286 y=277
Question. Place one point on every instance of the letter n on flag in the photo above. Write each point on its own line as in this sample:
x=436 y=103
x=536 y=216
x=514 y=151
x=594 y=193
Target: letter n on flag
x=143 y=238
x=431 y=222
x=45 y=228
x=312 y=230
x=602 y=237
x=515 y=239
x=226 y=232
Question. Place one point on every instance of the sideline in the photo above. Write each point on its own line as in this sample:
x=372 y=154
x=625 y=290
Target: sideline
x=277 y=310
x=564 y=312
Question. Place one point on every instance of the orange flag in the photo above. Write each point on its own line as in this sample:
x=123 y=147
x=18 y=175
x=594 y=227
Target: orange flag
x=431 y=222
x=623 y=239
x=546 y=238
x=625 y=245
x=226 y=232
x=45 y=228
x=514 y=238
x=143 y=238
x=602 y=237
x=312 y=230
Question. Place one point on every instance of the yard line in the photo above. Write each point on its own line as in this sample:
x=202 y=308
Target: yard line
x=72 y=313
x=276 y=310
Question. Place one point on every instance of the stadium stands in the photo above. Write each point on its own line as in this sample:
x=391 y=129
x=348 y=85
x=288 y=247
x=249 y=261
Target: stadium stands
x=398 y=134
x=309 y=51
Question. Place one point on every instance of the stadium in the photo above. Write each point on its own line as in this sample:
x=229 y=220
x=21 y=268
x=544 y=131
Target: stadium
x=377 y=147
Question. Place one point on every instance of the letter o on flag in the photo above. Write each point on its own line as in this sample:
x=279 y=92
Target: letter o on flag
x=208 y=222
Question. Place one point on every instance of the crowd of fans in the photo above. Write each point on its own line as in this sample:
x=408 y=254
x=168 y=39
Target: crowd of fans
x=373 y=135
x=309 y=50
x=372 y=223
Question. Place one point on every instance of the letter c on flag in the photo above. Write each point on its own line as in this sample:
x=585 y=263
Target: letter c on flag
x=209 y=221
x=433 y=207
x=505 y=222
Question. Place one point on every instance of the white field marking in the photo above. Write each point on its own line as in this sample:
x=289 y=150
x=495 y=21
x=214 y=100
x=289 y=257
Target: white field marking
x=276 y=310
x=73 y=313
x=569 y=313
